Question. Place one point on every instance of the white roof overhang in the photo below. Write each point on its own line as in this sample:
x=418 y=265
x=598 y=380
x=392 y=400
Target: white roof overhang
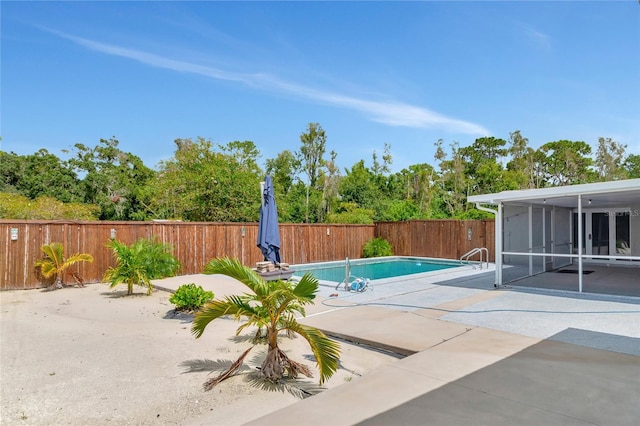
x=622 y=193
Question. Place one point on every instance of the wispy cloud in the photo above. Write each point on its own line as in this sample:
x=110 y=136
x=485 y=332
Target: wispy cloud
x=390 y=113
x=539 y=39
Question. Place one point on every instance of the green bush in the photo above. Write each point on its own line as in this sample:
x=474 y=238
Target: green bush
x=188 y=297
x=376 y=248
x=139 y=263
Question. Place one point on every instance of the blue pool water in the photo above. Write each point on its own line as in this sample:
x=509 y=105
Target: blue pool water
x=374 y=269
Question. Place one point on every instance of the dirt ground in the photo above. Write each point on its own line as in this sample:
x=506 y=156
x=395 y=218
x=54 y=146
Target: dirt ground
x=84 y=356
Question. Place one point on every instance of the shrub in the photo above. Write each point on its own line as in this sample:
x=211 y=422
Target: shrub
x=188 y=297
x=143 y=261
x=377 y=247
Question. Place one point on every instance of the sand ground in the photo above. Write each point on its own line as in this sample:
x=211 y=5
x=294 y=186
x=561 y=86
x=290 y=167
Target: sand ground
x=83 y=356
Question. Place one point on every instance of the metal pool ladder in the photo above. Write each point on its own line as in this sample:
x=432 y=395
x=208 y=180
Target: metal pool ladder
x=465 y=257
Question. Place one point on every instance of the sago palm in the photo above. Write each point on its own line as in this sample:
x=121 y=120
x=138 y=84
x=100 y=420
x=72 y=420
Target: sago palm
x=55 y=264
x=272 y=308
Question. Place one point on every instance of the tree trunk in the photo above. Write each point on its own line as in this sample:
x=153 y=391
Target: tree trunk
x=274 y=363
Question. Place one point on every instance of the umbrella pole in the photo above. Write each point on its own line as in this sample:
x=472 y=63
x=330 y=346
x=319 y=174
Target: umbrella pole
x=262 y=193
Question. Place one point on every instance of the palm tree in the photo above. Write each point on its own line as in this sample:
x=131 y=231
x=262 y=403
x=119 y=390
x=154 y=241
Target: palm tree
x=272 y=307
x=55 y=264
x=140 y=263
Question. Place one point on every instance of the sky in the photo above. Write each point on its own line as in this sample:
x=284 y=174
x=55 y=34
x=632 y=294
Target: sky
x=404 y=74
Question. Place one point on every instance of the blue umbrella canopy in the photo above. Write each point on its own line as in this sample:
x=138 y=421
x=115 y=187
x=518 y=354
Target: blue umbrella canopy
x=268 y=231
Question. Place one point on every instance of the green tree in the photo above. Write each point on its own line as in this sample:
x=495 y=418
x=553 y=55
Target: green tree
x=272 y=308
x=284 y=169
x=312 y=151
x=349 y=212
x=37 y=175
x=203 y=182
x=483 y=165
x=330 y=187
x=418 y=184
x=567 y=162
x=11 y=170
x=358 y=186
x=524 y=168
x=113 y=179
x=139 y=263
x=632 y=166
x=397 y=210
x=453 y=180
x=288 y=188
x=54 y=264
x=609 y=160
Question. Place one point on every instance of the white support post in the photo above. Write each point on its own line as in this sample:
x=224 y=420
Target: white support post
x=498 y=231
x=544 y=239
x=530 y=214
x=580 y=242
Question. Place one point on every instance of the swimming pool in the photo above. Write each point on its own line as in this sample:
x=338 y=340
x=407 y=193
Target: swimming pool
x=375 y=268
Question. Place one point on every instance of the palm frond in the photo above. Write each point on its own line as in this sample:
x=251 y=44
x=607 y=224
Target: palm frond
x=234 y=269
x=55 y=252
x=47 y=268
x=306 y=288
x=231 y=305
x=209 y=384
x=325 y=350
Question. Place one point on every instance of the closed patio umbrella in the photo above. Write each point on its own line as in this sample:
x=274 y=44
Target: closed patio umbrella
x=268 y=231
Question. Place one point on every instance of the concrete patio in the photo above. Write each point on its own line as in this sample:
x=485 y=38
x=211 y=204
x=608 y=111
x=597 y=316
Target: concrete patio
x=478 y=355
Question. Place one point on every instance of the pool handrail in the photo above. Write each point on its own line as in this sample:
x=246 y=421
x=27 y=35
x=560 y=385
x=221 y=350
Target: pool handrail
x=481 y=250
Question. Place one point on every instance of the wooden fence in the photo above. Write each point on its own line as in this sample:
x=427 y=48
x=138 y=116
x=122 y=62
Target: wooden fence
x=447 y=239
x=196 y=243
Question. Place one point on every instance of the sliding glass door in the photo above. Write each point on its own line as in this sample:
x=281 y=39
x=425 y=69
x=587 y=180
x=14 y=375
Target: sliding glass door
x=605 y=233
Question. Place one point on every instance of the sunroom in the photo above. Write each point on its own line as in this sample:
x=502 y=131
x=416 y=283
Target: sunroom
x=583 y=238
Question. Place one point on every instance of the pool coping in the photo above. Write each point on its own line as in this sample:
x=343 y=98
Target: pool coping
x=382 y=281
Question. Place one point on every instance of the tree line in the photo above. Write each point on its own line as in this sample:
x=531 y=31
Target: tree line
x=205 y=181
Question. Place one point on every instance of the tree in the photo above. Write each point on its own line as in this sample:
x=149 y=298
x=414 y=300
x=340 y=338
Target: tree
x=113 y=179
x=284 y=170
x=453 y=181
x=609 y=160
x=54 y=264
x=11 y=171
x=349 y=212
x=524 y=168
x=39 y=174
x=330 y=185
x=272 y=308
x=632 y=166
x=312 y=152
x=289 y=190
x=567 y=162
x=483 y=165
x=205 y=182
x=358 y=186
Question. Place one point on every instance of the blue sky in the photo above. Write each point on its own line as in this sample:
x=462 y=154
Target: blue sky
x=370 y=73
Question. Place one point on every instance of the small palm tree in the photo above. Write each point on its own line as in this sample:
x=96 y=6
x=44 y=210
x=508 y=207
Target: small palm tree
x=139 y=263
x=54 y=264
x=271 y=307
